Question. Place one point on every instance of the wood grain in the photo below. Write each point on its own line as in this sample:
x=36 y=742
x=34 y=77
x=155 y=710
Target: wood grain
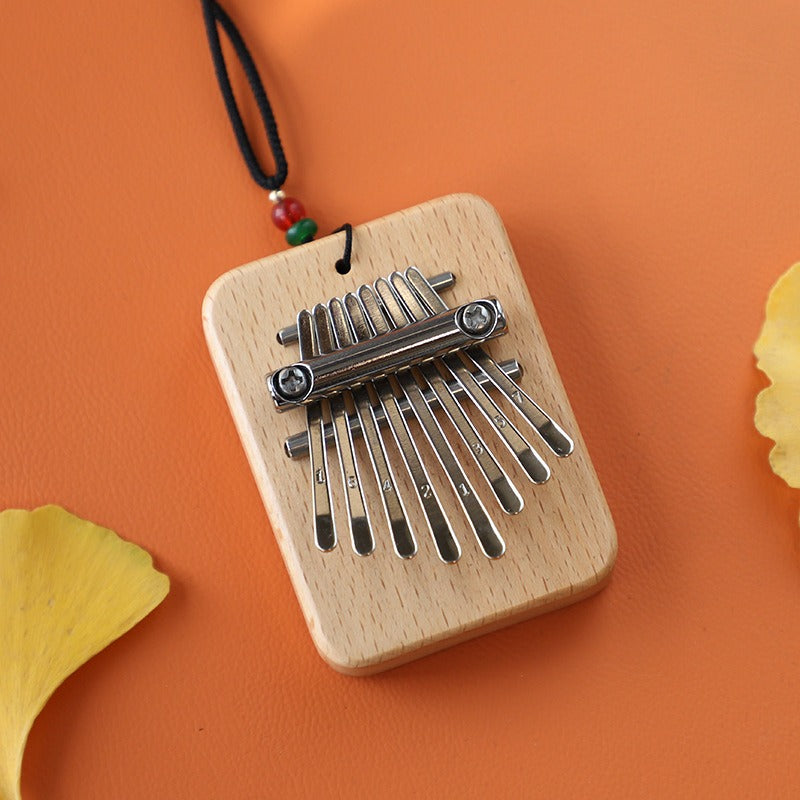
x=370 y=613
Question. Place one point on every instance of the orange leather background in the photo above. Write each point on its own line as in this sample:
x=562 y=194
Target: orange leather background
x=646 y=160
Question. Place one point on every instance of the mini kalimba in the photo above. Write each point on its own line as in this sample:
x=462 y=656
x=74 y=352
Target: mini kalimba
x=432 y=492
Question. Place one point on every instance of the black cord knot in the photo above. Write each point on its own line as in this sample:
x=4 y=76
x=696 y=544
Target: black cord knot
x=344 y=265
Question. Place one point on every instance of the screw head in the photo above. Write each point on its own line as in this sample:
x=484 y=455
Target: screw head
x=477 y=319
x=292 y=383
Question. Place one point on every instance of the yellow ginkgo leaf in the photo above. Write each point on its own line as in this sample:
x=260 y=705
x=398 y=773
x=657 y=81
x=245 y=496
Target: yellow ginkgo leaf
x=68 y=588
x=778 y=352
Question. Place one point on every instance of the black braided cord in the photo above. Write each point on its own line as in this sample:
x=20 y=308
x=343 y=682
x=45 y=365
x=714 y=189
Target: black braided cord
x=215 y=16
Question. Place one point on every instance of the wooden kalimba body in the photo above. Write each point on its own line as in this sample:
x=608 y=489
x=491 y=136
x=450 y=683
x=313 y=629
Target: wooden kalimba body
x=421 y=489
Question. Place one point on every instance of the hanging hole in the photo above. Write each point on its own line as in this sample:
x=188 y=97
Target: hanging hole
x=342 y=266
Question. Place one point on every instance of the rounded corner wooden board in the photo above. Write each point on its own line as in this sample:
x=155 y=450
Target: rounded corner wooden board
x=370 y=613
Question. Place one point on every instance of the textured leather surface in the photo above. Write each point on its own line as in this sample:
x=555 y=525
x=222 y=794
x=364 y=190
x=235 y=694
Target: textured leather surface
x=645 y=160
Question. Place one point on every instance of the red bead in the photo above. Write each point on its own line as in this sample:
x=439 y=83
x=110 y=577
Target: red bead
x=286 y=212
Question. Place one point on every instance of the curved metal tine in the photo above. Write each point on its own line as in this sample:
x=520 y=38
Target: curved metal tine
x=428 y=375
x=530 y=461
x=439 y=526
x=324 y=527
x=481 y=523
x=360 y=530
x=403 y=539
x=552 y=434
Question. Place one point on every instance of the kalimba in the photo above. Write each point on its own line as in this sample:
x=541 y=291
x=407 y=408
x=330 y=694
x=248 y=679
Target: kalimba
x=398 y=340
x=439 y=486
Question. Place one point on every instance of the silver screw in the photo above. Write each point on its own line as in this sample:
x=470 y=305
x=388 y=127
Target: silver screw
x=292 y=382
x=477 y=319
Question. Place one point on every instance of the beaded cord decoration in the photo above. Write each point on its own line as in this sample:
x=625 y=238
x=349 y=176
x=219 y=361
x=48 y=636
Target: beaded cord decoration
x=288 y=213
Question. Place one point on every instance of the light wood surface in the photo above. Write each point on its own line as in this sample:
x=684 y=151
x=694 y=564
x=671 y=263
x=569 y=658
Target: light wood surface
x=370 y=613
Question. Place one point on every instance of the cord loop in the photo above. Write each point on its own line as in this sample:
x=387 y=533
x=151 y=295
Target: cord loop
x=215 y=15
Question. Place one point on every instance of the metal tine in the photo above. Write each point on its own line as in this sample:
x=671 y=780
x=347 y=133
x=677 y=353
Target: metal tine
x=446 y=543
x=360 y=530
x=453 y=367
x=481 y=523
x=324 y=528
x=427 y=375
x=443 y=280
x=296 y=445
x=552 y=434
x=402 y=537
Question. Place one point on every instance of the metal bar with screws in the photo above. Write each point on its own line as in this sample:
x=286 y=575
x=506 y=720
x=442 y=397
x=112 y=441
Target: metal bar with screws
x=394 y=349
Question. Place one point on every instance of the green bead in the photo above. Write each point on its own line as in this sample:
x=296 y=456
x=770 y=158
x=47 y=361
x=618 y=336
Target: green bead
x=302 y=231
